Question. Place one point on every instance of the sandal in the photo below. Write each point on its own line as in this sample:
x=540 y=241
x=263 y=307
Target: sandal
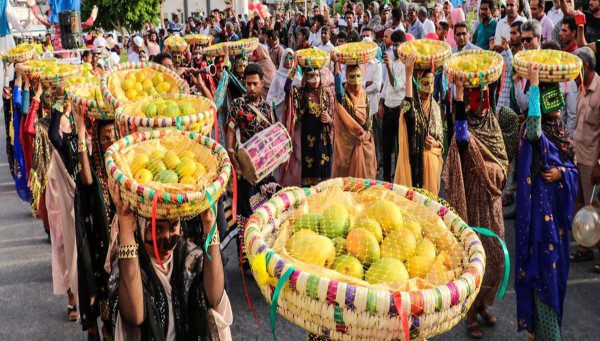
x=72 y=313
x=488 y=319
x=581 y=255
x=473 y=329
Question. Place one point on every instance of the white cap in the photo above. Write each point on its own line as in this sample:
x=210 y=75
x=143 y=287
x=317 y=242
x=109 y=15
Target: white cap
x=99 y=43
x=137 y=40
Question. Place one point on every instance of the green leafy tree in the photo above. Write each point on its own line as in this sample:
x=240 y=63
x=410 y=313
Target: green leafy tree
x=123 y=15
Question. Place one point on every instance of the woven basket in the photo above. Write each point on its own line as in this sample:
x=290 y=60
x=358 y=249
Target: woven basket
x=175 y=47
x=342 y=310
x=174 y=201
x=235 y=47
x=567 y=70
x=426 y=62
x=178 y=85
x=202 y=120
x=475 y=79
x=58 y=80
x=198 y=39
x=361 y=57
x=29 y=68
x=20 y=57
x=89 y=105
x=314 y=62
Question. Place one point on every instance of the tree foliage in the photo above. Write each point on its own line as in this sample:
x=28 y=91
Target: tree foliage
x=122 y=14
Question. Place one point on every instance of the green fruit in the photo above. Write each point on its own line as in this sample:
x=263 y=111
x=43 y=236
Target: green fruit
x=307 y=221
x=167 y=177
x=400 y=244
x=387 y=270
x=156 y=166
x=171 y=159
x=172 y=110
x=348 y=265
x=370 y=225
x=363 y=244
x=340 y=244
x=187 y=167
x=335 y=221
x=187 y=109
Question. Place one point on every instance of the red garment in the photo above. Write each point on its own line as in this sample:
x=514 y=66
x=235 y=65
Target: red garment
x=476 y=100
x=571 y=47
x=304 y=45
x=28 y=134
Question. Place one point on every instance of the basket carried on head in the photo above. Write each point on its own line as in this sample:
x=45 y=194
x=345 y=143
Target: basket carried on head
x=176 y=43
x=15 y=55
x=478 y=67
x=58 y=79
x=356 y=53
x=88 y=96
x=198 y=39
x=170 y=200
x=312 y=58
x=131 y=117
x=326 y=302
x=430 y=54
x=112 y=82
x=235 y=47
x=555 y=66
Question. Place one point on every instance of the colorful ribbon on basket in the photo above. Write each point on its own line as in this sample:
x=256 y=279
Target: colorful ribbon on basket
x=154 y=244
x=282 y=280
x=489 y=233
x=397 y=297
x=214 y=227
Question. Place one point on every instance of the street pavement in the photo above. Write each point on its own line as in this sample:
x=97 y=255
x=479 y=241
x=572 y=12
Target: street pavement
x=30 y=311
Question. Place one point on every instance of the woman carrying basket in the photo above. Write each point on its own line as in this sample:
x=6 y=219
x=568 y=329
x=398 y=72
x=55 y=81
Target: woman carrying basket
x=546 y=191
x=475 y=173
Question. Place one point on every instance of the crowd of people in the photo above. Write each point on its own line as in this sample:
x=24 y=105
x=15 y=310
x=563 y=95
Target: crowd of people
x=518 y=140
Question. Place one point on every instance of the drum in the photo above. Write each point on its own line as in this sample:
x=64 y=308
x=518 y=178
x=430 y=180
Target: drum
x=70 y=29
x=264 y=152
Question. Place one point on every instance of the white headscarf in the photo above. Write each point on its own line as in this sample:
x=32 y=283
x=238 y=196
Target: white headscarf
x=277 y=90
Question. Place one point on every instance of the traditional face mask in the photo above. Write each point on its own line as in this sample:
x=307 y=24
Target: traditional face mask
x=551 y=100
x=476 y=100
x=313 y=78
x=240 y=65
x=354 y=77
x=426 y=82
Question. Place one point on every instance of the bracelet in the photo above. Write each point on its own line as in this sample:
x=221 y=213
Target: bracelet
x=127 y=251
x=81 y=146
x=215 y=240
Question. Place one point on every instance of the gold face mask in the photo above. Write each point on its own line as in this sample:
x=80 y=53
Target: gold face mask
x=426 y=82
x=354 y=77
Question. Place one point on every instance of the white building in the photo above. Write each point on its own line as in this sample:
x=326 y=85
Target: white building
x=194 y=8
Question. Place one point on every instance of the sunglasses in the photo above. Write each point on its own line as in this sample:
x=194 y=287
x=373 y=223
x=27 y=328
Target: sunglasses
x=526 y=39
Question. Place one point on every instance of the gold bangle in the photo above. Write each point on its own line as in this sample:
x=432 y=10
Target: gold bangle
x=81 y=146
x=215 y=240
x=127 y=251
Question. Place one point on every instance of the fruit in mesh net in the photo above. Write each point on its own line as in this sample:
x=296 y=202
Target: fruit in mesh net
x=388 y=270
x=422 y=47
x=414 y=227
x=171 y=159
x=363 y=244
x=150 y=110
x=370 y=225
x=309 y=247
x=340 y=244
x=438 y=273
x=155 y=166
x=546 y=57
x=141 y=83
x=400 y=244
x=21 y=48
x=348 y=265
x=139 y=161
x=167 y=177
x=175 y=40
x=313 y=54
x=186 y=167
x=426 y=248
x=335 y=221
x=387 y=214
x=475 y=62
x=143 y=176
x=418 y=266
x=308 y=221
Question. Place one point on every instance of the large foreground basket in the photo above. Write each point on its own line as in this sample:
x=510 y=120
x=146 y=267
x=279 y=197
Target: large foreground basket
x=425 y=61
x=172 y=201
x=201 y=121
x=236 y=48
x=356 y=53
x=111 y=80
x=93 y=106
x=560 y=67
x=340 y=310
x=484 y=75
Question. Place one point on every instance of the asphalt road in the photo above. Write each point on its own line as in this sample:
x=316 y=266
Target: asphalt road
x=30 y=311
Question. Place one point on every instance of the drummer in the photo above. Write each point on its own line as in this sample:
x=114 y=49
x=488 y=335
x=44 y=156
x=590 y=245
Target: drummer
x=248 y=115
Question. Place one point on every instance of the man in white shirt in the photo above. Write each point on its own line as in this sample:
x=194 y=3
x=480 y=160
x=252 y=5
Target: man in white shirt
x=372 y=74
x=134 y=52
x=326 y=44
x=555 y=13
x=428 y=25
x=315 y=37
x=390 y=104
x=512 y=14
x=538 y=13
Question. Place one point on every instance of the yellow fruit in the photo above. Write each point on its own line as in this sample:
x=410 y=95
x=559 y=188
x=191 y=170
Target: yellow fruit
x=187 y=153
x=129 y=83
x=186 y=167
x=400 y=244
x=139 y=162
x=309 y=247
x=171 y=159
x=143 y=176
x=157 y=154
x=362 y=244
x=187 y=180
x=163 y=88
x=139 y=88
x=370 y=225
x=415 y=228
x=348 y=265
x=418 y=266
x=387 y=270
x=438 y=273
x=426 y=248
x=200 y=171
x=387 y=214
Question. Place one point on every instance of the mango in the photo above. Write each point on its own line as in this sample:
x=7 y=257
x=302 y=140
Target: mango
x=139 y=161
x=186 y=167
x=155 y=166
x=387 y=270
x=167 y=177
x=171 y=159
x=348 y=265
x=426 y=248
x=143 y=176
x=187 y=153
x=418 y=266
x=370 y=225
x=340 y=244
x=387 y=214
x=186 y=109
x=307 y=221
x=335 y=221
x=150 y=110
x=400 y=244
x=309 y=247
x=187 y=180
x=363 y=244
x=414 y=227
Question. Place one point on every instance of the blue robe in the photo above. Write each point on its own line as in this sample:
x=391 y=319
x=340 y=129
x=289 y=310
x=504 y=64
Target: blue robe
x=544 y=214
x=20 y=172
